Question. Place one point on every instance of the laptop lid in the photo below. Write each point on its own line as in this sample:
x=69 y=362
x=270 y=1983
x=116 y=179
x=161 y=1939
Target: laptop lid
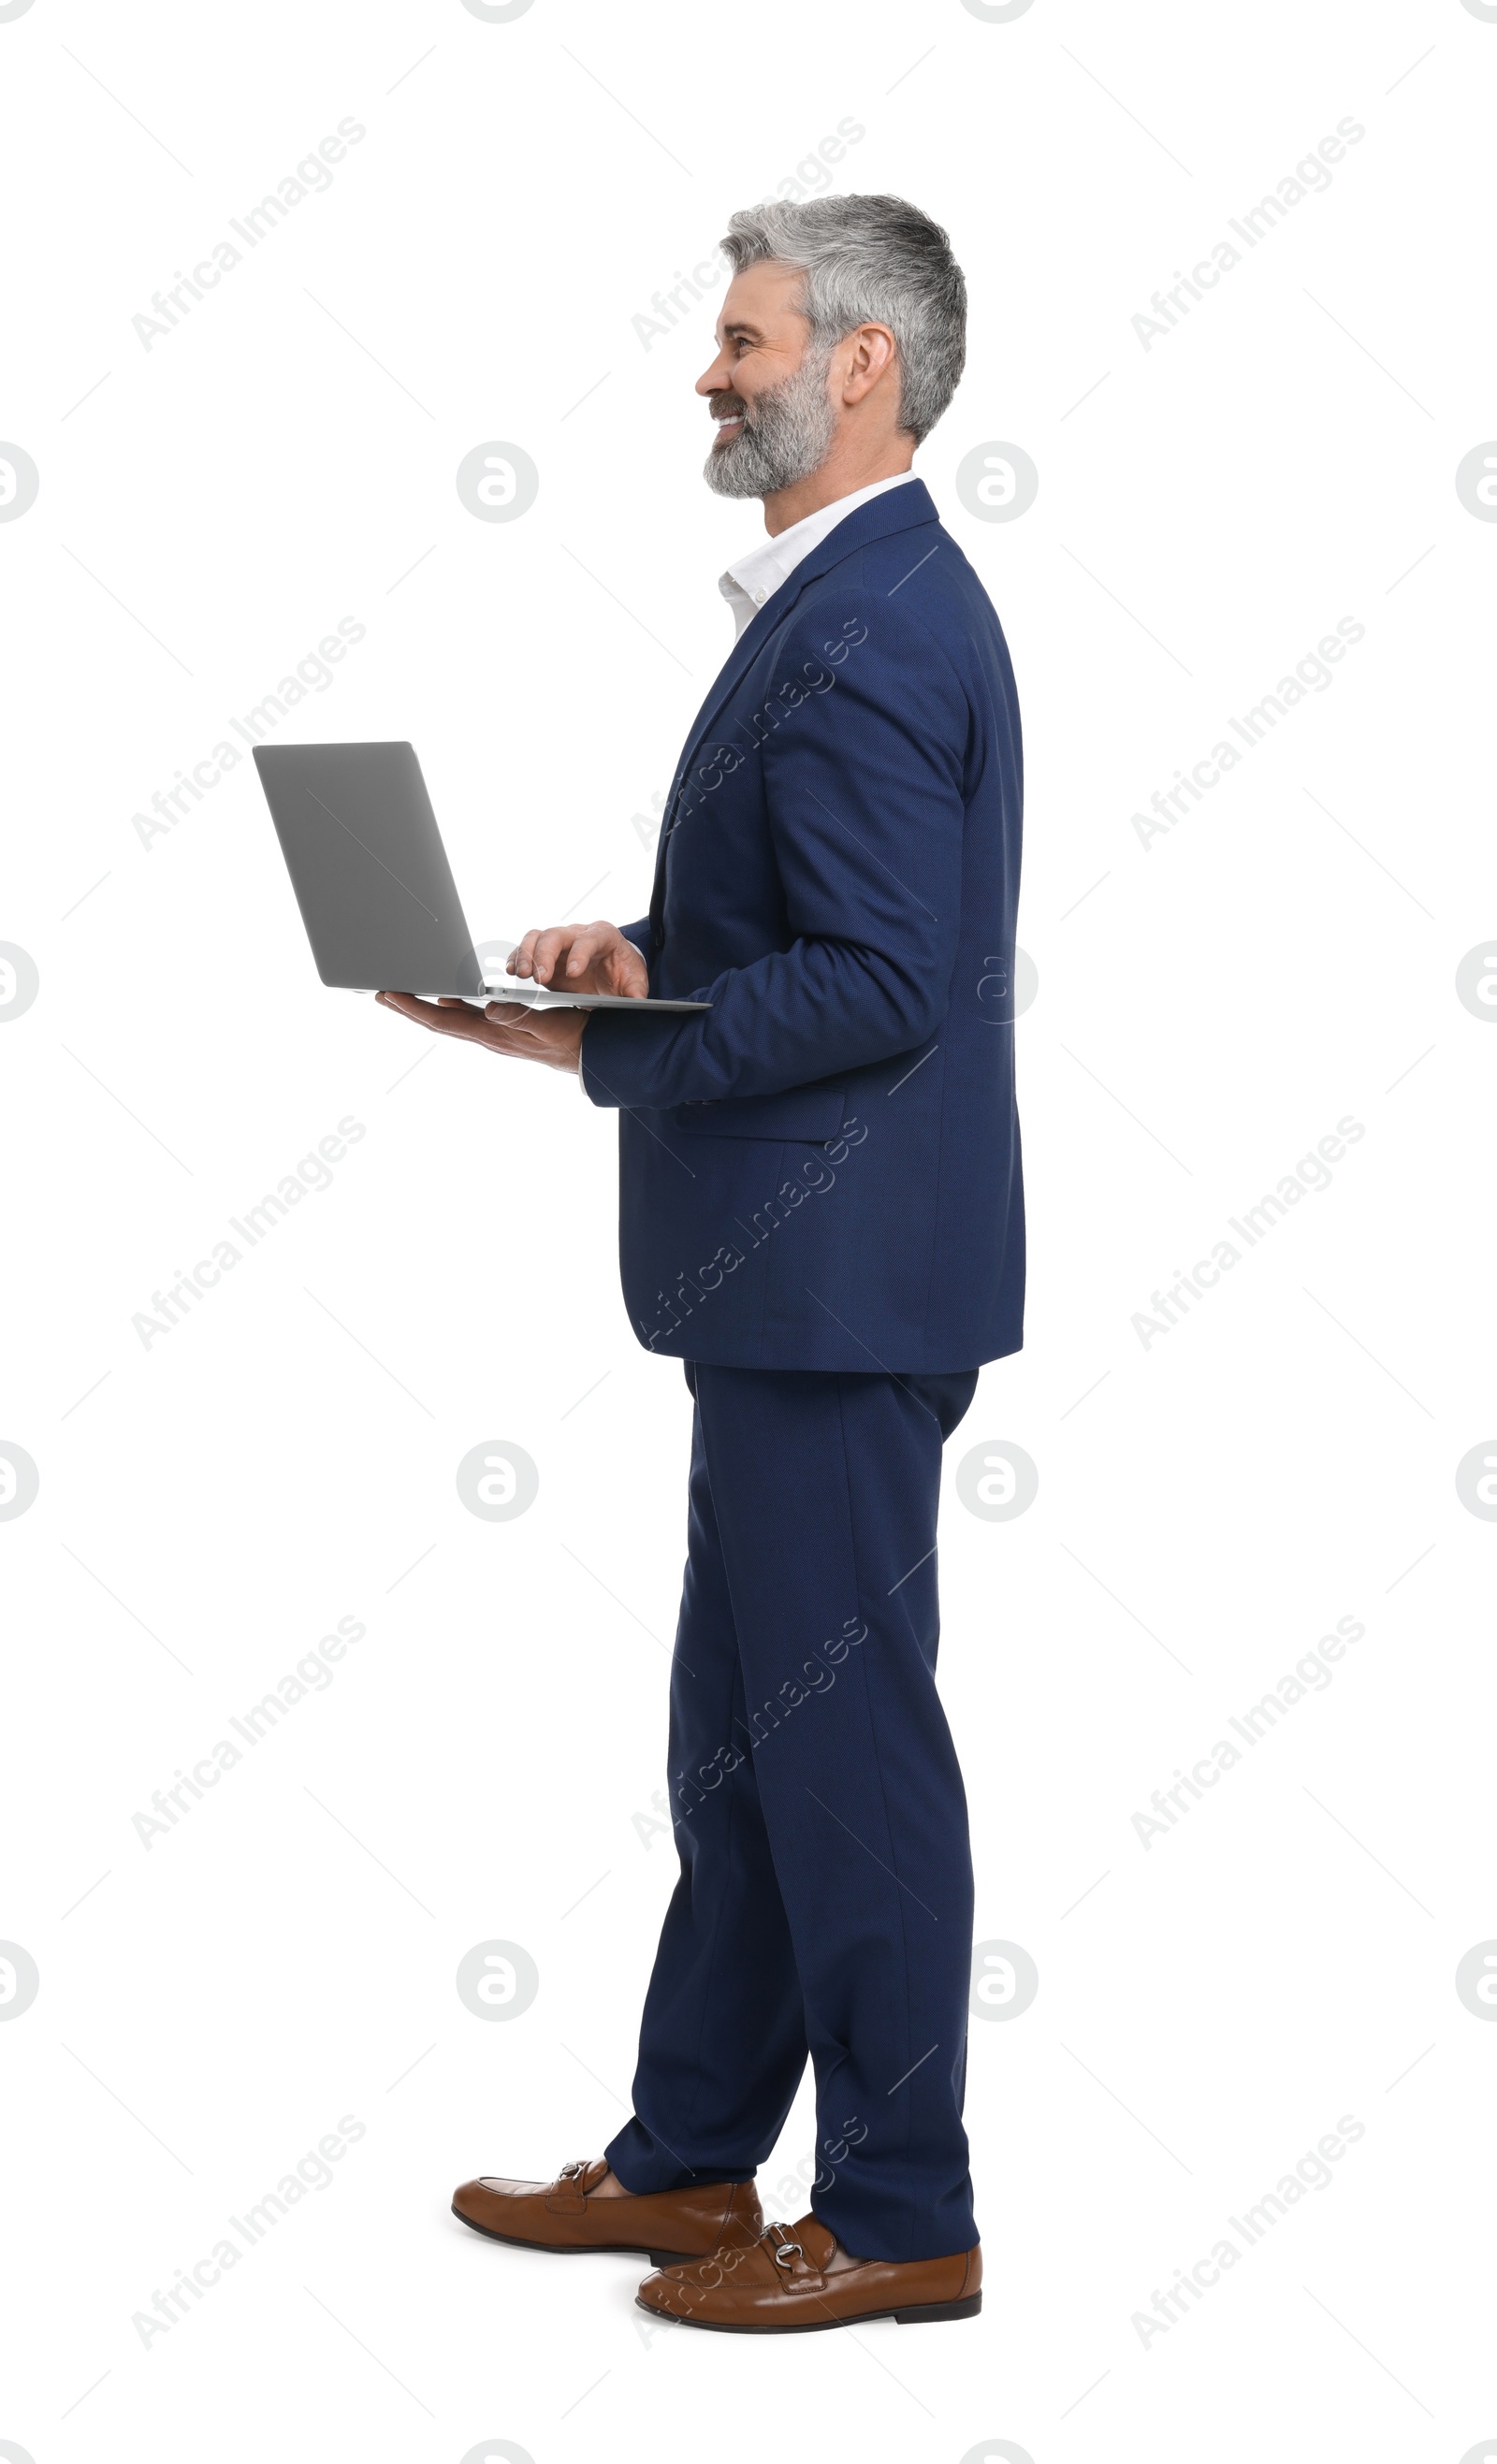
x=367 y=864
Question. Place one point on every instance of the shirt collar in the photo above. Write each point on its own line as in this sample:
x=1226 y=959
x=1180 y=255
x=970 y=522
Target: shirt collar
x=753 y=578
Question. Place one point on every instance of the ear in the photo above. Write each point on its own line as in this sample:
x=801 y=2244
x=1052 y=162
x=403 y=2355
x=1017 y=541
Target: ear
x=871 y=353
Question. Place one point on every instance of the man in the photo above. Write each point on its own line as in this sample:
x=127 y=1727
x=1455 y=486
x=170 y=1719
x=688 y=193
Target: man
x=822 y=1218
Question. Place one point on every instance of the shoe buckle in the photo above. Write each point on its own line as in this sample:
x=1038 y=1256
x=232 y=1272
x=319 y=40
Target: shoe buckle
x=570 y=2172
x=784 y=2250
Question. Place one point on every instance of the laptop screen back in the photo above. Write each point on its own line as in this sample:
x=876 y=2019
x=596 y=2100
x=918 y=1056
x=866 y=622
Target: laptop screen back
x=367 y=864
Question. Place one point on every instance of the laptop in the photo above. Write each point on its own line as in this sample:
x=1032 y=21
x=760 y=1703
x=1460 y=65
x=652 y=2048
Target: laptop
x=374 y=885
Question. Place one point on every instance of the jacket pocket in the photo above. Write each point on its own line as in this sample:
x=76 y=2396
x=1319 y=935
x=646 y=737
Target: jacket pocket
x=812 y=1112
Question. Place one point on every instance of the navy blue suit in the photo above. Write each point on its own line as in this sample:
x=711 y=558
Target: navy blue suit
x=821 y=1213
x=838 y=875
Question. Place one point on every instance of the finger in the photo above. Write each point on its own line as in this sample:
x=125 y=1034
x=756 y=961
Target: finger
x=408 y=1004
x=619 y=965
x=525 y=960
x=549 y=948
x=587 y=943
x=442 y=1021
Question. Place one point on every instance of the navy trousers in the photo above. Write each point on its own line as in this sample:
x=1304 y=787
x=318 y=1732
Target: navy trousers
x=825 y=1899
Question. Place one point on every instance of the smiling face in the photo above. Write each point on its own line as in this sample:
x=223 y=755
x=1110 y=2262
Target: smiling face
x=767 y=390
x=762 y=338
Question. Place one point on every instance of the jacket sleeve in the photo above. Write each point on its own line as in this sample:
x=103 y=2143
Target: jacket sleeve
x=863 y=779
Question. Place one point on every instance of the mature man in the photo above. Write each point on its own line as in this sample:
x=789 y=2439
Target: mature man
x=822 y=1218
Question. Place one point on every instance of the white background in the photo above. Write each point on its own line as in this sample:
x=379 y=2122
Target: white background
x=1208 y=1008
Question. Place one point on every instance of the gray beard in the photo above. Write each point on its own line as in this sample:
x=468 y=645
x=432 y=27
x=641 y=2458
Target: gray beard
x=786 y=436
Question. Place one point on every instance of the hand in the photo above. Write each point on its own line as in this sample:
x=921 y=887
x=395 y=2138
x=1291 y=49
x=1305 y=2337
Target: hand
x=551 y=1036
x=583 y=958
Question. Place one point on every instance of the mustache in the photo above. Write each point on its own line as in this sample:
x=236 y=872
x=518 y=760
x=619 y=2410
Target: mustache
x=727 y=406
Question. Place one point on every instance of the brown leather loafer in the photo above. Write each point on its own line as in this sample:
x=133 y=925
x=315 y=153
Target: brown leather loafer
x=797 y=2278
x=559 y=2215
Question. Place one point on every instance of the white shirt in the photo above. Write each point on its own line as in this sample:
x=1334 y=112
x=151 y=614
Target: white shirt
x=754 y=578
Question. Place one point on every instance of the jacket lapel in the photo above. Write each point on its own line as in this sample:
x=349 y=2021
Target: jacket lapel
x=898 y=509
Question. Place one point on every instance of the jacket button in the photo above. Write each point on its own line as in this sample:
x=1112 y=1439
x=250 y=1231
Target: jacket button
x=657 y=938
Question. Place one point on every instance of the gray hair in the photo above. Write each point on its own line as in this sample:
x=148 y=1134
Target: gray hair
x=869 y=259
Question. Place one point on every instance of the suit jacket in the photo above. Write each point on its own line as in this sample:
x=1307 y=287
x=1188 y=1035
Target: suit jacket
x=822 y=1169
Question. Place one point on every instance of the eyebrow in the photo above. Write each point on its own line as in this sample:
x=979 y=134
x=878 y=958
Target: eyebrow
x=749 y=332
